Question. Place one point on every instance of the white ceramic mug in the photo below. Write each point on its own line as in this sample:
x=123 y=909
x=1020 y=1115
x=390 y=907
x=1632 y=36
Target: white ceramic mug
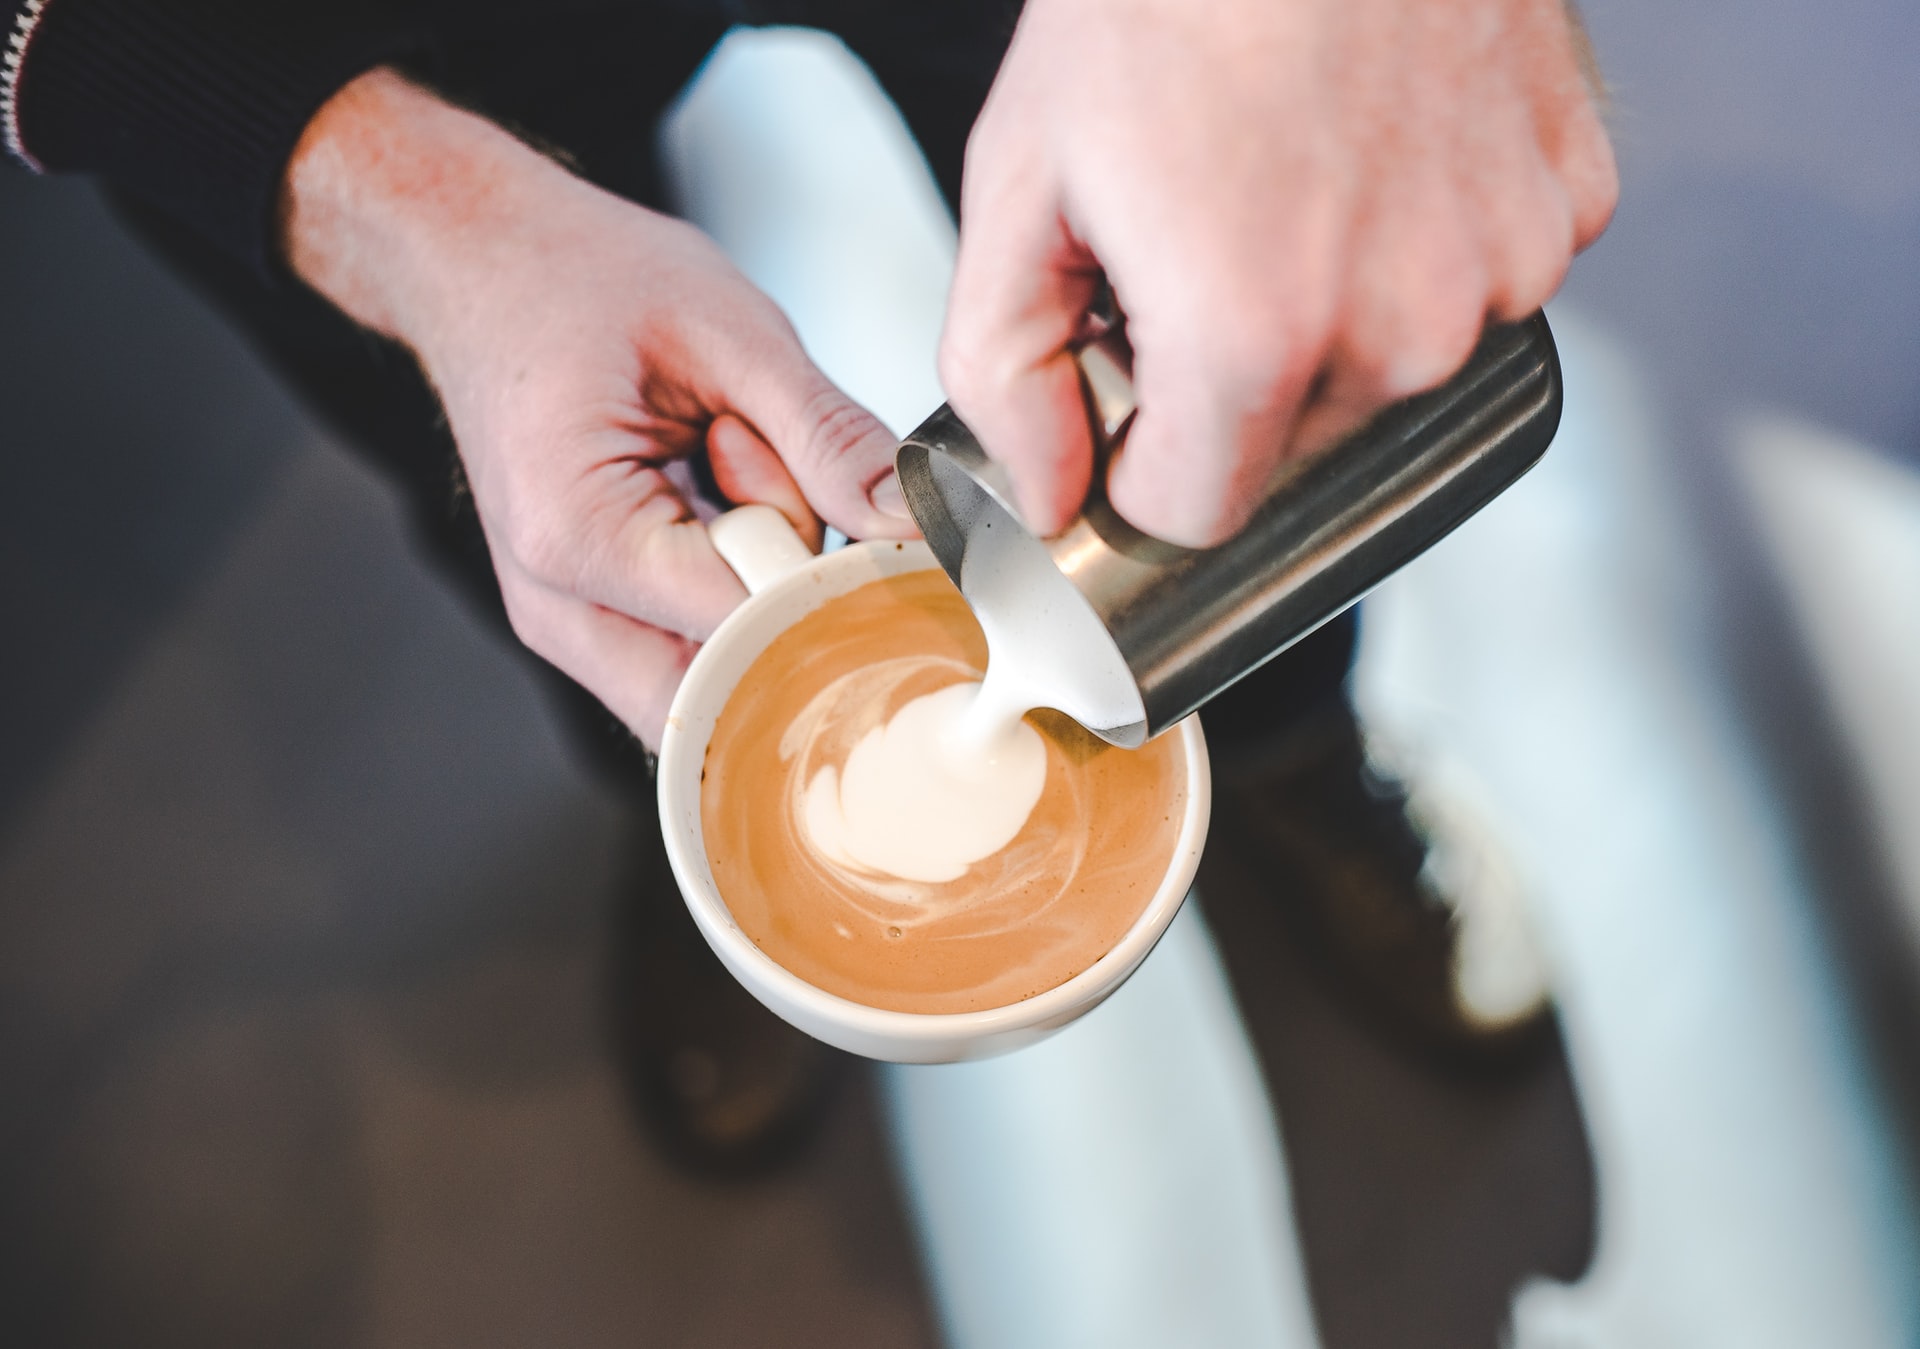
x=787 y=582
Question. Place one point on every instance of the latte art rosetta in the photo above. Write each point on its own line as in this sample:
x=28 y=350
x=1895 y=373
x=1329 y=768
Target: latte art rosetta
x=863 y=850
x=895 y=811
x=912 y=799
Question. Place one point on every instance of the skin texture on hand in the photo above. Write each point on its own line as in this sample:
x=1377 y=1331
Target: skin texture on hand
x=581 y=346
x=1306 y=209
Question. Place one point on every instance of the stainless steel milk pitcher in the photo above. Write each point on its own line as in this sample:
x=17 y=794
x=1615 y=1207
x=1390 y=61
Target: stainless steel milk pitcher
x=1103 y=605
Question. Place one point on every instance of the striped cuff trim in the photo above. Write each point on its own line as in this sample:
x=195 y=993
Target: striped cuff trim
x=24 y=24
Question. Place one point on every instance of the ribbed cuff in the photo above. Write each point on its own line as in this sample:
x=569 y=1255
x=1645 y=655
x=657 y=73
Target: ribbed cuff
x=195 y=105
x=18 y=31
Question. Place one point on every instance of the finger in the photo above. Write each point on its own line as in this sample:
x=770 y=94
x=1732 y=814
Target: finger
x=1529 y=240
x=838 y=454
x=1583 y=155
x=1414 y=305
x=632 y=668
x=1591 y=175
x=1034 y=421
x=1021 y=289
x=1334 y=411
x=745 y=469
x=1510 y=203
x=631 y=544
x=1413 y=313
x=1204 y=443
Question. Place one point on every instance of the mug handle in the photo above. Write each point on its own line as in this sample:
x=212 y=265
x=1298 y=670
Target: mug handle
x=760 y=544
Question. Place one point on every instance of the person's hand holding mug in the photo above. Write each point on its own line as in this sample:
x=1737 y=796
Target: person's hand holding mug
x=1306 y=209
x=581 y=347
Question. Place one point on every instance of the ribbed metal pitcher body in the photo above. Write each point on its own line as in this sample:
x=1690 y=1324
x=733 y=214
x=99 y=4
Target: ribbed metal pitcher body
x=1186 y=623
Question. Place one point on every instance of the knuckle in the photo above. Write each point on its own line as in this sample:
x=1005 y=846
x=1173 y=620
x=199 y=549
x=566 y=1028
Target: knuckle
x=975 y=369
x=959 y=365
x=835 y=425
x=525 y=619
x=543 y=553
x=1448 y=343
x=1591 y=175
x=1594 y=202
x=1363 y=373
x=1426 y=347
x=1533 y=277
x=529 y=633
x=1538 y=252
x=514 y=504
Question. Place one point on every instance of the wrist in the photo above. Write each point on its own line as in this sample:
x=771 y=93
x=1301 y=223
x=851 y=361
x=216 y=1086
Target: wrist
x=395 y=202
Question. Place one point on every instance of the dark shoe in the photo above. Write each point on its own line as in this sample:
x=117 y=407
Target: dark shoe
x=726 y=1087
x=1397 y=889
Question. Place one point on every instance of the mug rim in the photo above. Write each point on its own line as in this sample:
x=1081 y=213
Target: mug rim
x=682 y=759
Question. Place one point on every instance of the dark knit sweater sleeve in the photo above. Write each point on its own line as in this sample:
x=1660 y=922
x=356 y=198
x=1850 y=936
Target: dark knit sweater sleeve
x=194 y=105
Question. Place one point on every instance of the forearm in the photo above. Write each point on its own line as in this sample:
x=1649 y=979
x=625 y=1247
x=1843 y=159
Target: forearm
x=434 y=226
x=388 y=189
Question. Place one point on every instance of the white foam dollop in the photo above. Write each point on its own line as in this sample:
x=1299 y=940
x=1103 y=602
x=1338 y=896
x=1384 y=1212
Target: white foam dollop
x=921 y=802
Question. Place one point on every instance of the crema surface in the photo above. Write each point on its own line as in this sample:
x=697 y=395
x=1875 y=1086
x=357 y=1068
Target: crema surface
x=1034 y=913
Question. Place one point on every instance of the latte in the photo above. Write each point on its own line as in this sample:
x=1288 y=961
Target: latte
x=866 y=844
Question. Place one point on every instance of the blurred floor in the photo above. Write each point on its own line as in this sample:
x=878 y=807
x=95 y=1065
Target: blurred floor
x=1764 y=271
x=1842 y=522
x=1749 y=1187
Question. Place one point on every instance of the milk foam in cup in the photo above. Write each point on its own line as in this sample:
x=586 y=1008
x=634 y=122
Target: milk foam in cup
x=976 y=797
x=928 y=794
